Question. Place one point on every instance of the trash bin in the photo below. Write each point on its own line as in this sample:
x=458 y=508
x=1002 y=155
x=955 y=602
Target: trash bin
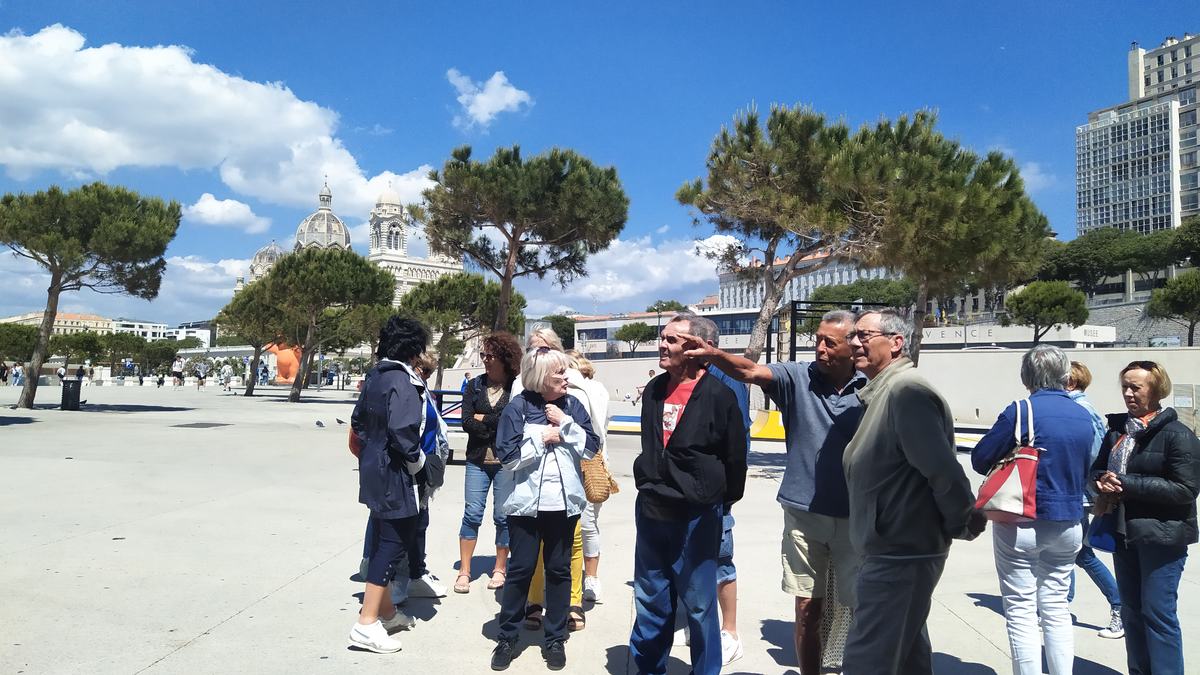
x=70 y=394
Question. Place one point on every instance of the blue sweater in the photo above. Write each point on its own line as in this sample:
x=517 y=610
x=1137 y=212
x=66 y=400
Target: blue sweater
x=1063 y=429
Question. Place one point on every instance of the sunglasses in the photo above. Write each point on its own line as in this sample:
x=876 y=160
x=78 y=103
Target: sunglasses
x=538 y=350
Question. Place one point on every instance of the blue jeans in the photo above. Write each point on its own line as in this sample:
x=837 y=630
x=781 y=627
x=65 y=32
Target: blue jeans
x=726 y=570
x=1148 y=577
x=1096 y=570
x=478 y=479
x=673 y=561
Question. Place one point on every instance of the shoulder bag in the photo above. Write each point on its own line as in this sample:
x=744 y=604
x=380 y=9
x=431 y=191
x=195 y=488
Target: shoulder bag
x=1009 y=492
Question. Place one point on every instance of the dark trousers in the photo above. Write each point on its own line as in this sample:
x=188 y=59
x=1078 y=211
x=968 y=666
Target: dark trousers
x=415 y=558
x=389 y=544
x=676 y=560
x=1148 y=576
x=555 y=532
x=887 y=634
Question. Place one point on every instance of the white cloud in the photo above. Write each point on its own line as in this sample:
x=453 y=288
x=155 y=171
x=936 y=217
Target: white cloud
x=1037 y=178
x=482 y=101
x=632 y=273
x=662 y=229
x=85 y=111
x=208 y=210
x=193 y=288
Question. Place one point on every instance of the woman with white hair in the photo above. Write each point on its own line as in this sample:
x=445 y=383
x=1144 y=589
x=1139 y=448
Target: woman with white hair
x=543 y=434
x=1034 y=558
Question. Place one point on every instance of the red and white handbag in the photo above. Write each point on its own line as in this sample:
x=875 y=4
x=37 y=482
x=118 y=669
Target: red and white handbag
x=1009 y=492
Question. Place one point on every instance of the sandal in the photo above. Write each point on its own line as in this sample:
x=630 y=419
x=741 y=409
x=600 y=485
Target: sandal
x=461 y=586
x=533 y=617
x=495 y=583
x=576 y=619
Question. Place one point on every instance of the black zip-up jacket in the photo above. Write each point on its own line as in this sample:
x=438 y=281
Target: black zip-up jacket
x=705 y=461
x=1161 y=480
x=481 y=434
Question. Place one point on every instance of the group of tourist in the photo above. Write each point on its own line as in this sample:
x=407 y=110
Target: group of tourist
x=872 y=495
x=16 y=373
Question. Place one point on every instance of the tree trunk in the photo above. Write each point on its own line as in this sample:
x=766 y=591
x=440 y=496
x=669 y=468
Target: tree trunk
x=1037 y=334
x=762 y=324
x=506 y=284
x=1192 y=334
x=252 y=373
x=41 y=349
x=918 y=322
x=305 y=363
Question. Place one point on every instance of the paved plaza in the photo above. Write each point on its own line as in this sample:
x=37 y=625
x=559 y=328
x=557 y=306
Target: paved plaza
x=176 y=531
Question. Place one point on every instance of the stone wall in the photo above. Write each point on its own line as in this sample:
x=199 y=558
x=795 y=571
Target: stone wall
x=1134 y=328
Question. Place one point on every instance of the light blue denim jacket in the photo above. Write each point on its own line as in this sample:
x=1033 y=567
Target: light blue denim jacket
x=524 y=456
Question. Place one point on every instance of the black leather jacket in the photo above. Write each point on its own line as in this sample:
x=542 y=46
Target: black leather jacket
x=1160 y=483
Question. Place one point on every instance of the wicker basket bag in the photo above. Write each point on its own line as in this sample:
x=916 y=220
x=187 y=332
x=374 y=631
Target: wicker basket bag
x=598 y=483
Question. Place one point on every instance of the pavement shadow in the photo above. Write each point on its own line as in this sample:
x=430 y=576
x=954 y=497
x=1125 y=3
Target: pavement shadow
x=618 y=662
x=780 y=634
x=1084 y=667
x=10 y=421
x=988 y=601
x=948 y=663
x=84 y=406
x=766 y=459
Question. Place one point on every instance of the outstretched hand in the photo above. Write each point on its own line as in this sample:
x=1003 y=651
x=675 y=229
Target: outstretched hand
x=694 y=347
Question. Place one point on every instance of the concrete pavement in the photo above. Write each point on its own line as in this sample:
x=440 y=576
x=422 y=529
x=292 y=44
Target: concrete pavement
x=175 y=531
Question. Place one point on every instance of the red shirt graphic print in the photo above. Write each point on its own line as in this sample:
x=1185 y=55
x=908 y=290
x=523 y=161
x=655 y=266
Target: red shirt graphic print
x=677 y=399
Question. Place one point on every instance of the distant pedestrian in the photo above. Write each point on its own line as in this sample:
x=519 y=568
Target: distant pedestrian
x=227 y=377
x=3 y=373
x=62 y=373
x=466 y=380
x=18 y=374
x=177 y=372
x=201 y=374
x=79 y=373
x=160 y=380
x=262 y=376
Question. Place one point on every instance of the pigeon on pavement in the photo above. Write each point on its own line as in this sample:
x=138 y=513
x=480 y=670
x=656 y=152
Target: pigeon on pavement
x=320 y=424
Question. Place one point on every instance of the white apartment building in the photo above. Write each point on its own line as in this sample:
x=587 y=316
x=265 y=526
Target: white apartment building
x=205 y=335
x=151 y=330
x=738 y=291
x=65 y=323
x=1136 y=162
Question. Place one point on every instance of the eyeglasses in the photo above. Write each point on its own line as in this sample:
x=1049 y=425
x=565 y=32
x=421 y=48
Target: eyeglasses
x=865 y=336
x=538 y=350
x=488 y=357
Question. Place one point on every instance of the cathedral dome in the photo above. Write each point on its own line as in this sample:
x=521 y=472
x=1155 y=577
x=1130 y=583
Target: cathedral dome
x=323 y=229
x=388 y=196
x=264 y=259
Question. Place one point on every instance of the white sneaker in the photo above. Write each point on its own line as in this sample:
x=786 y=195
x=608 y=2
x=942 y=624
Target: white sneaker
x=428 y=586
x=400 y=621
x=731 y=648
x=373 y=638
x=591 y=589
x=1115 y=629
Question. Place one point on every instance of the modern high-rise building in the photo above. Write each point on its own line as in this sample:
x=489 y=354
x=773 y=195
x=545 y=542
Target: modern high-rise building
x=1136 y=162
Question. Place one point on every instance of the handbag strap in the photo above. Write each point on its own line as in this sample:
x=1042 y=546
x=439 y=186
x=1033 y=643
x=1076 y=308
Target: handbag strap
x=1017 y=433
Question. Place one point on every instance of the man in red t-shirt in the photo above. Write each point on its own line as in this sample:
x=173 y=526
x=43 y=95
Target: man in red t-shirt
x=693 y=461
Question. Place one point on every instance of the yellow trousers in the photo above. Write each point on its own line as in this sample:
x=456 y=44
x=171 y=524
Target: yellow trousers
x=537 y=585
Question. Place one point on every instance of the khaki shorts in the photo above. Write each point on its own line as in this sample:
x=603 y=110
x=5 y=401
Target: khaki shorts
x=811 y=544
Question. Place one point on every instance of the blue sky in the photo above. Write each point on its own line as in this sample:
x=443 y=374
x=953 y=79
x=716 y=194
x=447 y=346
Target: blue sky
x=253 y=103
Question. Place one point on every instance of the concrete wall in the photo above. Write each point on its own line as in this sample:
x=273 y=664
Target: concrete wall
x=978 y=384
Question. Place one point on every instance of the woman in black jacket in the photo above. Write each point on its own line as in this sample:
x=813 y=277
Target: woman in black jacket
x=483 y=401
x=387 y=420
x=1148 y=476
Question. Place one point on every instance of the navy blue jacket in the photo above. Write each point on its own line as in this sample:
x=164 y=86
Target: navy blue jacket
x=388 y=418
x=1064 y=430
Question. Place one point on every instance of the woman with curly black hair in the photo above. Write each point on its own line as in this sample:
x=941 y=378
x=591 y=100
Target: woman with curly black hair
x=388 y=420
x=483 y=401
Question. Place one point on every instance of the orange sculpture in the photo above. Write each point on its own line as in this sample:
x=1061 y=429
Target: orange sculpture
x=287 y=362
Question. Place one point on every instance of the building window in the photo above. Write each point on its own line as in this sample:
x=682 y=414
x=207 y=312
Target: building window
x=1190 y=201
x=1187 y=96
x=1160 y=59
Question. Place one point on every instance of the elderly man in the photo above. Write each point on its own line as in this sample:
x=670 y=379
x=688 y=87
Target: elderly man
x=819 y=403
x=693 y=461
x=908 y=498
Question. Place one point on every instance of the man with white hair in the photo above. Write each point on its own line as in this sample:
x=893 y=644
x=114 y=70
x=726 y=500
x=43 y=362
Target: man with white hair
x=909 y=497
x=693 y=461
